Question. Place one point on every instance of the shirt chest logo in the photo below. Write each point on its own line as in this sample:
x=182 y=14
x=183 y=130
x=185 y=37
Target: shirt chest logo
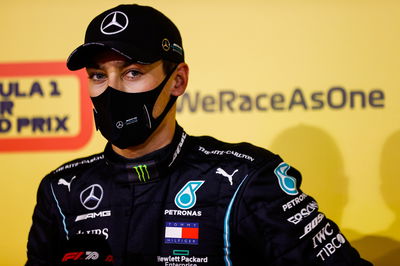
x=186 y=197
x=181 y=233
x=222 y=172
x=92 y=196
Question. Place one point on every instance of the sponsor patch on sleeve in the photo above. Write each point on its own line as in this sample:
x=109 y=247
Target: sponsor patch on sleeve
x=287 y=183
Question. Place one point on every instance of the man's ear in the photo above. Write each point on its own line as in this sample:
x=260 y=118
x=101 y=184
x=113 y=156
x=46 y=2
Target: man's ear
x=180 y=80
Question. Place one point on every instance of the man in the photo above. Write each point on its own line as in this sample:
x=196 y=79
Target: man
x=157 y=196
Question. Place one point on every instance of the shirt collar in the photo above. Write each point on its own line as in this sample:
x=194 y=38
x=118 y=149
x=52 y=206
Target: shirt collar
x=149 y=167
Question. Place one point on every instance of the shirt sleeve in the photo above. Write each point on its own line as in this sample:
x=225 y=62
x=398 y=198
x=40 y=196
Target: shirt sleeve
x=276 y=223
x=43 y=237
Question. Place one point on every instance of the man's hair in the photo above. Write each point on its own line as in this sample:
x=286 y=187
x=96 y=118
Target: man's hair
x=168 y=66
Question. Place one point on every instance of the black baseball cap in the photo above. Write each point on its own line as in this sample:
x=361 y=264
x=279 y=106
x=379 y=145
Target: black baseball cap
x=140 y=33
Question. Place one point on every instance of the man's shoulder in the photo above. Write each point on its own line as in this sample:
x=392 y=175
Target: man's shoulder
x=210 y=147
x=78 y=164
x=68 y=172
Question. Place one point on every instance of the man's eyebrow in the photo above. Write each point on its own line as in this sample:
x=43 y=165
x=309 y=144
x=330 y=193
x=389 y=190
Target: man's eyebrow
x=124 y=64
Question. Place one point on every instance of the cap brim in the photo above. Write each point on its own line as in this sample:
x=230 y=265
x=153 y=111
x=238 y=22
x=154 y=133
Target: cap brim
x=86 y=54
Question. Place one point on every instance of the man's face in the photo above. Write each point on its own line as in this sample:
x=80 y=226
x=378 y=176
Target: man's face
x=114 y=70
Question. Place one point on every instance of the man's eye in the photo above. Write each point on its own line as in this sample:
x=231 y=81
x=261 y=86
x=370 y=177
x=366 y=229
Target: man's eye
x=132 y=73
x=97 y=76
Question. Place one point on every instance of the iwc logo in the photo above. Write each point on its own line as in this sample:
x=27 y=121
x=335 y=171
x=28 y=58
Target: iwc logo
x=114 y=22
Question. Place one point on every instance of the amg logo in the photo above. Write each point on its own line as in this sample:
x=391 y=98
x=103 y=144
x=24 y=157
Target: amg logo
x=92 y=215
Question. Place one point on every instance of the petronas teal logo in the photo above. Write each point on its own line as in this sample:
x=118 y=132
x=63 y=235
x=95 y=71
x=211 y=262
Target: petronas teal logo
x=142 y=172
x=186 y=197
x=287 y=183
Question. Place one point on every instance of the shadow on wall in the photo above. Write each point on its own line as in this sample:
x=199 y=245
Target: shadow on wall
x=385 y=251
x=315 y=154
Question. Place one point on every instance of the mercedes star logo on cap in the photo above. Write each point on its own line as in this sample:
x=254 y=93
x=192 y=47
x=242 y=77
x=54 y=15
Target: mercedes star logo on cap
x=114 y=22
x=165 y=44
x=92 y=196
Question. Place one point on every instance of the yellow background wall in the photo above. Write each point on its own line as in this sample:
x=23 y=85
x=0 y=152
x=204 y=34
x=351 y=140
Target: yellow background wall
x=348 y=156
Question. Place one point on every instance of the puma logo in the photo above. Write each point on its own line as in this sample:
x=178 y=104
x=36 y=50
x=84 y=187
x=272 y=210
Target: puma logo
x=62 y=181
x=221 y=171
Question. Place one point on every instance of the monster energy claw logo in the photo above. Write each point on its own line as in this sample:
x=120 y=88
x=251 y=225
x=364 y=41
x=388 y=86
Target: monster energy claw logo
x=142 y=172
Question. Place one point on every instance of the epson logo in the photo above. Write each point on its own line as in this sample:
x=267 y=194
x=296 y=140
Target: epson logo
x=92 y=215
x=303 y=213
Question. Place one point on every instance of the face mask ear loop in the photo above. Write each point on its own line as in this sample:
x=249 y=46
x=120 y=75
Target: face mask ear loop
x=171 y=100
x=96 y=119
x=147 y=116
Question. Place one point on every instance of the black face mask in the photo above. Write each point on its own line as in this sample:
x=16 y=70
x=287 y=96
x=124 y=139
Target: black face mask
x=125 y=119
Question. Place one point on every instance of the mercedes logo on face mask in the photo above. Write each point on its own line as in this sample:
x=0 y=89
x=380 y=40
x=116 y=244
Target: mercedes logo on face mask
x=119 y=124
x=114 y=22
x=92 y=196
